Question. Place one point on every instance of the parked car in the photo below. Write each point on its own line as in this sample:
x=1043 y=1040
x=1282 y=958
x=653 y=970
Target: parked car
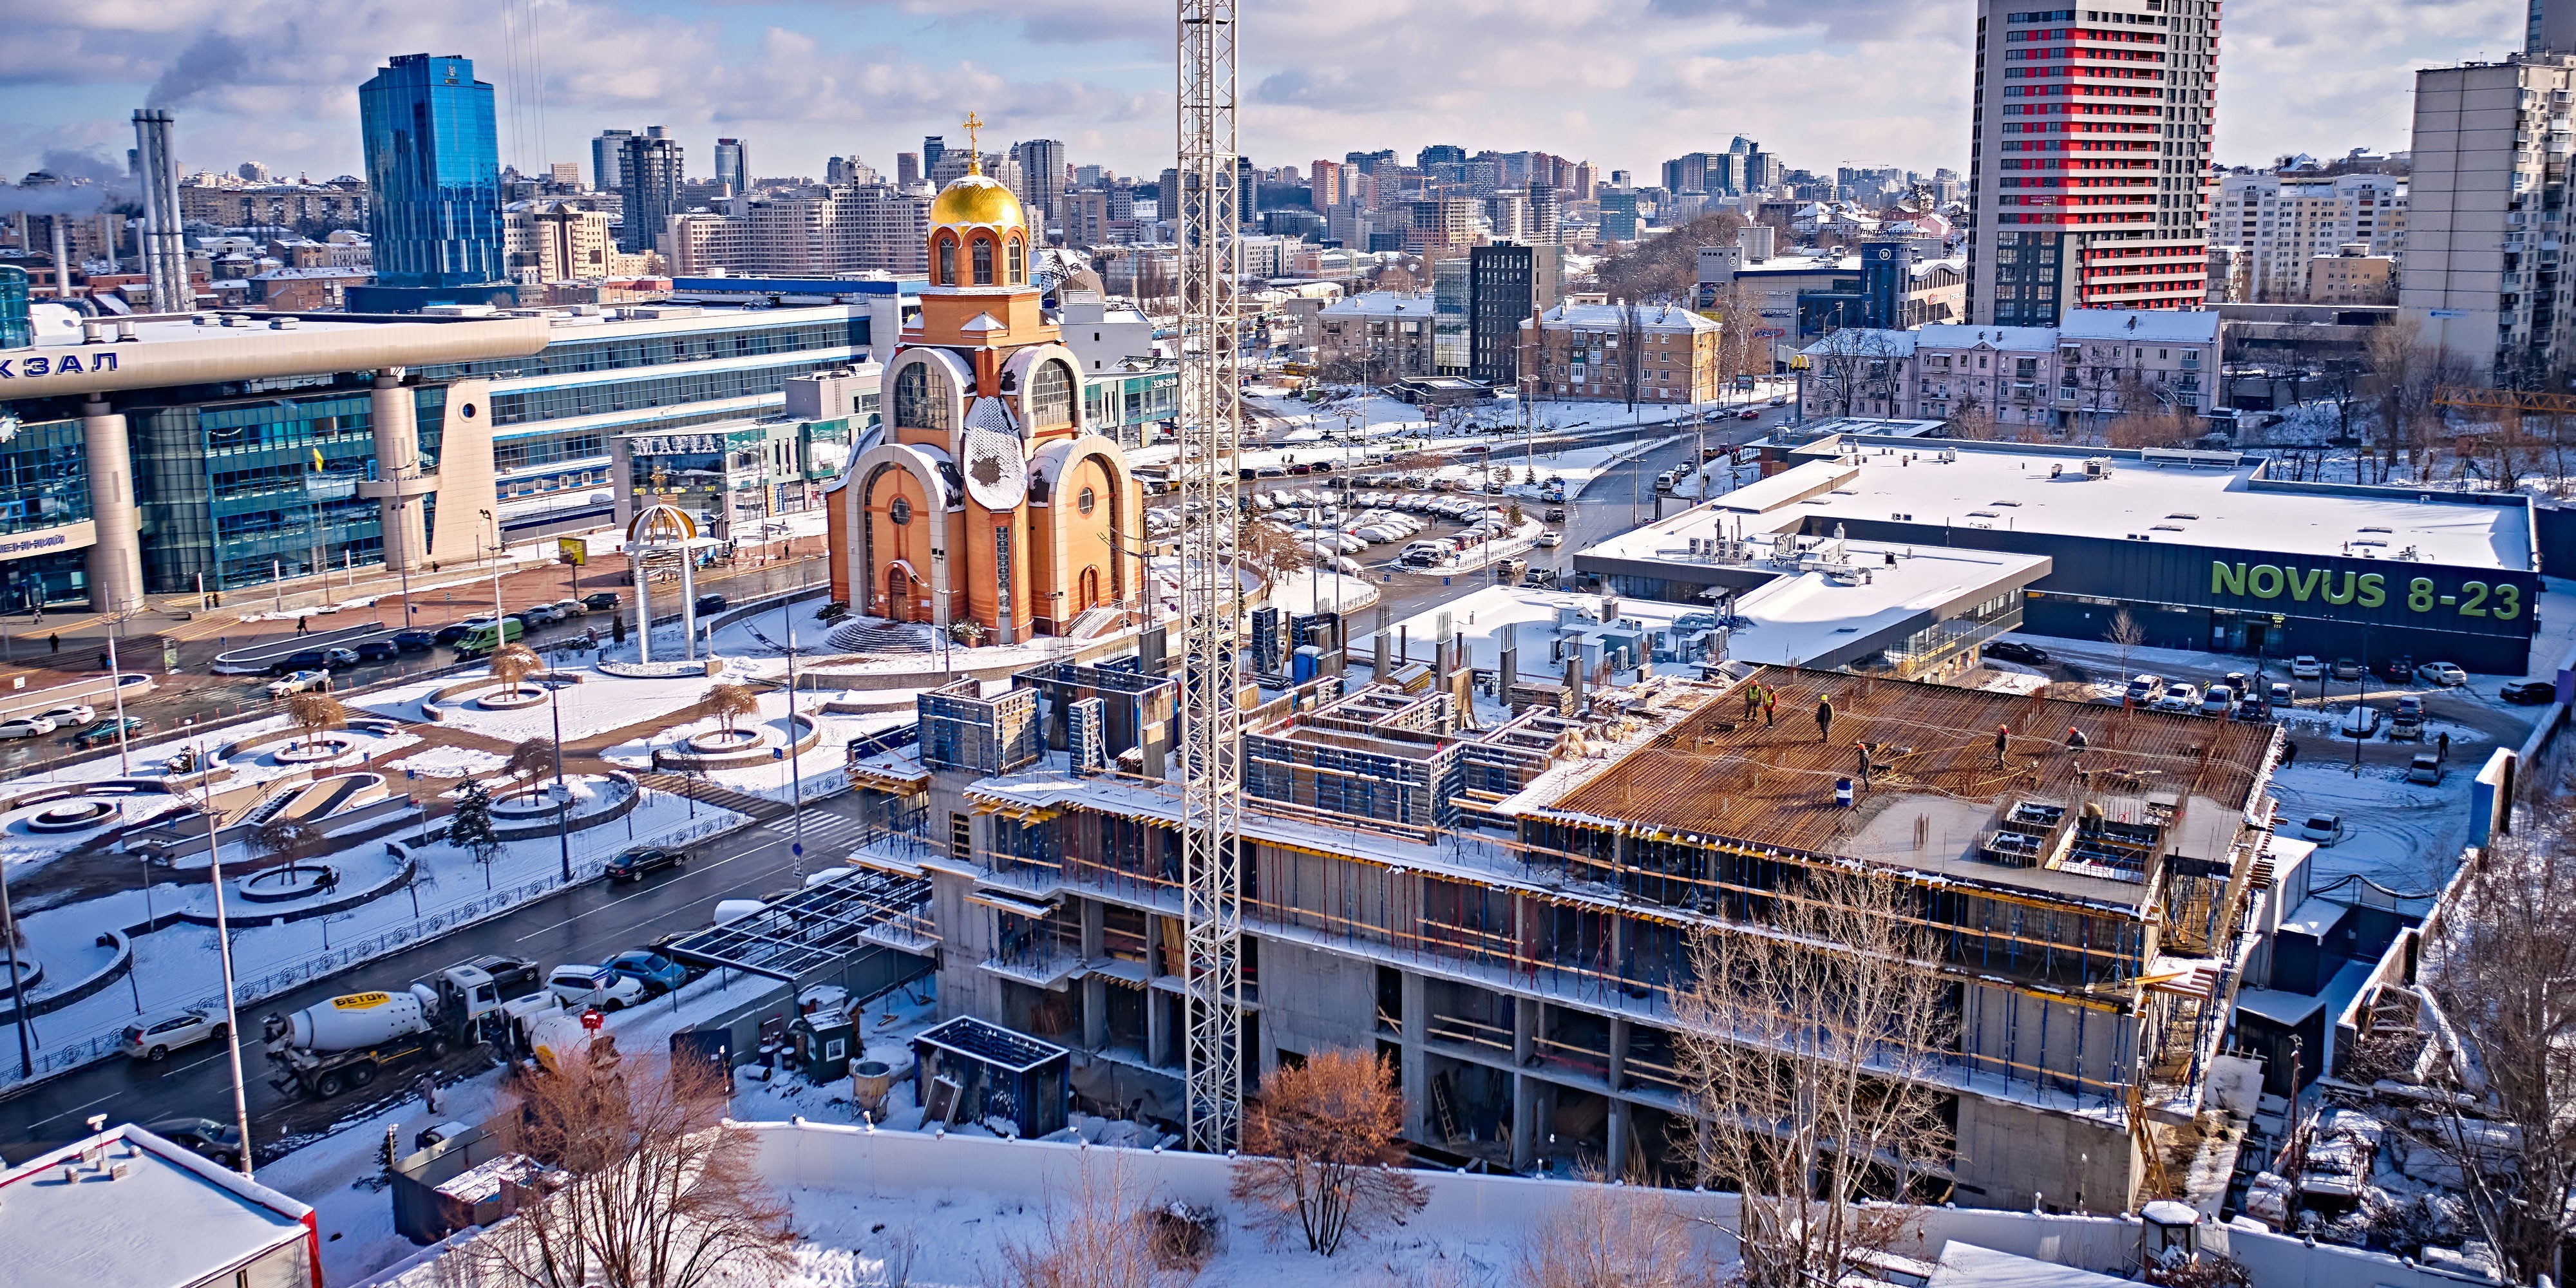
x=300 y=682
x=2282 y=696
x=454 y=631
x=636 y=862
x=2529 y=693
x=2218 y=701
x=710 y=604
x=311 y=659
x=107 y=731
x=2426 y=768
x=26 y=727
x=2324 y=829
x=414 y=641
x=1556 y=514
x=378 y=651
x=77 y=713
x=536 y=615
x=570 y=608
x=219 y=1142
x=657 y=973
x=2183 y=698
x=2347 y=669
x=2442 y=673
x=597 y=986
x=600 y=601
x=515 y=977
x=2143 y=689
x=2016 y=651
x=2254 y=705
x=2304 y=667
x=155 y=1038
x=2408 y=724
x=1748 y=414
x=2360 y=722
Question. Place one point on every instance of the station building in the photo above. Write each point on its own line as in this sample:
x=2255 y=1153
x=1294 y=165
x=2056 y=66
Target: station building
x=2204 y=550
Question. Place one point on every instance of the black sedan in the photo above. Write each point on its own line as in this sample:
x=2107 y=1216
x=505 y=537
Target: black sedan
x=642 y=860
x=414 y=641
x=2024 y=654
x=204 y=1137
x=2529 y=693
x=378 y=651
x=452 y=632
x=599 y=601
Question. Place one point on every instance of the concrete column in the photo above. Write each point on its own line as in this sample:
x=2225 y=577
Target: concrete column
x=116 y=561
x=1618 y=1137
x=1414 y=1025
x=397 y=434
x=688 y=603
x=1158 y=1030
x=1095 y=988
x=1525 y=1133
x=1382 y=643
x=643 y=608
x=1574 y=680
x=1507 y=672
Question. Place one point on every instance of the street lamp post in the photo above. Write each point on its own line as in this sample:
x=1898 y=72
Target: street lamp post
x=224 y=951
x=563 y=794
x=795 y=770
x=499 y=633
x=17 y=981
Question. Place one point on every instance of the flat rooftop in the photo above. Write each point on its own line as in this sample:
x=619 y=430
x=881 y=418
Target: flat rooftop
x=1714 y=776
x=170 y=1218
x=2207 y=505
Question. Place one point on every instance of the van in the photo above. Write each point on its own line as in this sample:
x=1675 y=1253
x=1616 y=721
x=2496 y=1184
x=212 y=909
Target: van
x=490 y=636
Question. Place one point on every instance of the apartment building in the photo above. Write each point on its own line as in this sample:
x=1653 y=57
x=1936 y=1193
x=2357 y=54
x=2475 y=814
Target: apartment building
x=2091 y=139
x=815 y=233
x=553 y=241
x=2285 y=221
x=1507 y=913
x=2352 y=275
x=1663 y=352
x=1378 y=335
x=2486 y=212
x=2095 y=365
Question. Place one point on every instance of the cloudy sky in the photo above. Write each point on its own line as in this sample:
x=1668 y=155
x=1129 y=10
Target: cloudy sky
x=1624 y=83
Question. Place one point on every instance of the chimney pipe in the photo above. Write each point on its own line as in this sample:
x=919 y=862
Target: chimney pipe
x=165 y=255
x=62 y=260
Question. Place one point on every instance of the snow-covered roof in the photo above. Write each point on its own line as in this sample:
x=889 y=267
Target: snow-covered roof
x=1379 y=304
x=2152 y=326
x=2211 y=505
x=1650 y=317
x=144 y=1214
x=1871 y=342
x=2011 y=339
x=1965 y=1265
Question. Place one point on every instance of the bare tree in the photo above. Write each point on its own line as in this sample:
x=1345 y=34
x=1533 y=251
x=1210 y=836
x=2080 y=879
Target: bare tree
x=1810 y=1049
x=2406 y=372
x=283 y=836
x=1628 y=1236
x=656 y=1190
x=728 y=703
x=315 y=712
x=513 y=663
x=2500 y=966
x=1851 y=369
x=1321 y=1150
x=2126 y=633
x=1100 y=1236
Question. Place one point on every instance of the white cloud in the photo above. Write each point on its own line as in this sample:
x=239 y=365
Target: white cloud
x=1624 y=83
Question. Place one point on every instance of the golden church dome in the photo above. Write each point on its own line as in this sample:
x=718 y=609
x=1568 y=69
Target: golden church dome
x=978 y=201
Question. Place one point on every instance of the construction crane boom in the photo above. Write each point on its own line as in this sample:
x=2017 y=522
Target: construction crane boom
x=1211 y=594
x=2527 y=401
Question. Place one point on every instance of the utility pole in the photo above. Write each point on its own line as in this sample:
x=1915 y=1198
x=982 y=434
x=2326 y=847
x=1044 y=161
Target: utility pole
x=1211 y=595
x=224 y=951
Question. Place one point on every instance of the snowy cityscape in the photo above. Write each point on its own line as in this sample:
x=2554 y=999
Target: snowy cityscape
x=1617 y=707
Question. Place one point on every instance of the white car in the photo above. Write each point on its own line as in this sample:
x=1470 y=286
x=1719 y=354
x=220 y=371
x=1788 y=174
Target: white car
x=2324 y=829
x=2442 y=673
x=26 y=727
x=78 y=713
x=2184 y=698
x=2304 y=667
x=594 y=986
x=2360 y=722
x=1549 y=541
x=299 y=682
x=154 y=1039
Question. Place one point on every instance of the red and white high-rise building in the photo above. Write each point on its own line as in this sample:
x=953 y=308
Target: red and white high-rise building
x=2090 y=157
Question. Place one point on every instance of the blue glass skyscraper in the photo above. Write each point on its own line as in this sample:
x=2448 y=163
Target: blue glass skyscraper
x=433 y=173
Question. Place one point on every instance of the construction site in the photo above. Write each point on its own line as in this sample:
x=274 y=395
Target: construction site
x=1502 y=899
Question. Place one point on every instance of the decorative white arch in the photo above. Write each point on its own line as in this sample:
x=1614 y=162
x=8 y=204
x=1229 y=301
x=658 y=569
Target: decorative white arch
x=1024 y=364
x=929 y=467
x=1054 y=463
x=959 y=378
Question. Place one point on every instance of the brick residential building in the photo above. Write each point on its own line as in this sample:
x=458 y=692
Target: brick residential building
x=1587 y=351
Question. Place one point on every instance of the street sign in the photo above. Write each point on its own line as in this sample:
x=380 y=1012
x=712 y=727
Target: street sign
x=796 y=848
x=593 y=1021
x=573 y=550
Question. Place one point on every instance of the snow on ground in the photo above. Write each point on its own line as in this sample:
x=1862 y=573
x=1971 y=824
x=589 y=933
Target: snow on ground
x=597 y=705
x=2406 y=836
x=1313 y=590
x=450 y=762
x=175 y=967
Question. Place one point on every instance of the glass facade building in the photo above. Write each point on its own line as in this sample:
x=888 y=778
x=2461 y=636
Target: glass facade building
x=433 y=173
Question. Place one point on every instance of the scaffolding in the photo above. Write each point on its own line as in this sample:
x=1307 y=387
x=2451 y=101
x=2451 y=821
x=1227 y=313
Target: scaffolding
x=1211 y=594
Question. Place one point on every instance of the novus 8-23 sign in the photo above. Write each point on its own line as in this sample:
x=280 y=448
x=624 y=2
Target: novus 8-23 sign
x=2283 y=584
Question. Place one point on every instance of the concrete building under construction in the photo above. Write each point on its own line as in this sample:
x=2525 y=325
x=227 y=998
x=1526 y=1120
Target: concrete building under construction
x=1503 y=903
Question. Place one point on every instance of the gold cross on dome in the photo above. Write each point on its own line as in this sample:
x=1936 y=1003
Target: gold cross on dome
x=974 y=150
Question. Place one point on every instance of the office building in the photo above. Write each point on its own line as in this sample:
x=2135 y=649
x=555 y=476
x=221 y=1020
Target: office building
x=1324 y=186
x=608 y=160
x=1506 y=283
x=433 y=174
x=2091 y=139
x=1619 y=215
x=2485 y=214
x=2285 y=221
x=907 y=170
x=1042 y=166
x=2352 y=275
x=1446 y=222
x=1376 y=337
x=2549 y=27
x=933 y=148
x=651 y=175
x=733 y=165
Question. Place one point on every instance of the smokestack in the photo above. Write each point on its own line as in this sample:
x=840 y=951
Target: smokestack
x=62 y=259
x=165 y=254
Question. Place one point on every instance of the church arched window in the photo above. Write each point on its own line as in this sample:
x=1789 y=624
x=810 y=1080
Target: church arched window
x=1050 y=395
x=1019 y=274
x=921 y=398
x=983 y=252
x=947 y=262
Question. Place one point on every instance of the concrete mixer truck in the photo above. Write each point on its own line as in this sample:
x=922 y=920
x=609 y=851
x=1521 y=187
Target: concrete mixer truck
x=345 y=1042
